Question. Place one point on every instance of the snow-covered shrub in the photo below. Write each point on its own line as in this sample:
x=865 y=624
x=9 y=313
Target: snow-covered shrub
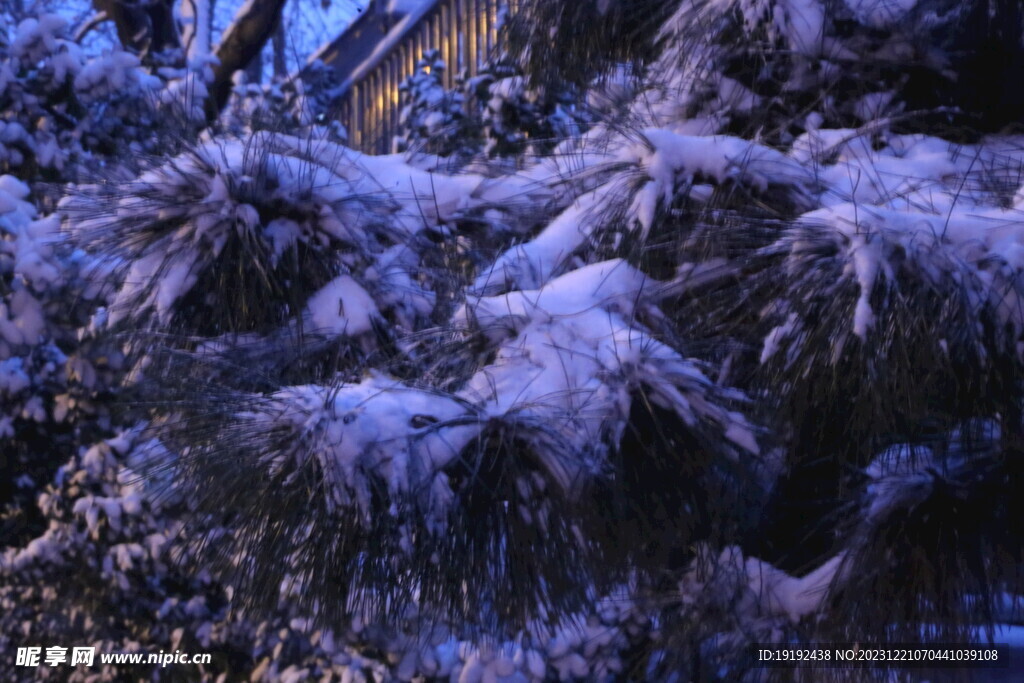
x=634 y=189
x=106 y=572
x=525 y=470
x=60 y=108
x=515 y=119
x=432 y=119
x=762 y=66
x=496 y=112
x=297 y=107
x=863 y=319
x=953 y=490
x=53 y=379
x=314 y=98
x=260 y=243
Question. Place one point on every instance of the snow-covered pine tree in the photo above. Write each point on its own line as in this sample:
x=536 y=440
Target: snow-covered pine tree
x=294 y=106
x=516 y=120
x=739 y=364
x=432 y=120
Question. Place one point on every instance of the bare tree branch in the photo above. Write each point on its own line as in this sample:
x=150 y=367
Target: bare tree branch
x=90 y=23
x=195 y=28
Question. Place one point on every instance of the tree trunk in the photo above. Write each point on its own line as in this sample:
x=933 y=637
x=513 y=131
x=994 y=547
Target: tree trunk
x=253 y=25
x=280 y=63
x=254 y=72
x=149 y=29
x=146 y=28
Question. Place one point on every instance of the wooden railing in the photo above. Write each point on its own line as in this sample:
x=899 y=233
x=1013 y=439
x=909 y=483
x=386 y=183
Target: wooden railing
x=464 y=32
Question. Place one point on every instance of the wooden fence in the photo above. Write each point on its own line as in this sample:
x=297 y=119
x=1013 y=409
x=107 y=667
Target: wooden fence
x=464 y=32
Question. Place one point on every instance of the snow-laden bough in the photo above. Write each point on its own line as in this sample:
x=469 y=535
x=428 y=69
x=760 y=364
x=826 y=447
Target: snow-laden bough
x=235 y=241
x=489 y=503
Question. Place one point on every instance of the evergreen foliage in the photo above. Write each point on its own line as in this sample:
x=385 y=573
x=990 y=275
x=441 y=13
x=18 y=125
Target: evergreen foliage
x=432 y=119
x=738 y=361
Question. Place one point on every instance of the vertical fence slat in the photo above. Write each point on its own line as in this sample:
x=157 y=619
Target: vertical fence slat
x=493 y=10
x=485 y=28
x=385 y=105
x=392 y=103
x=378 y=105
x=459 y=31
x=481 y=30
x=471 y=34
x=357 y=116
x=446 y=45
